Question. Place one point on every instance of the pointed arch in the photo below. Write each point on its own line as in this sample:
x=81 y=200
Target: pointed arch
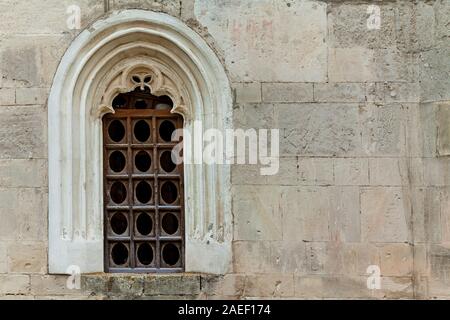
x=98 y=65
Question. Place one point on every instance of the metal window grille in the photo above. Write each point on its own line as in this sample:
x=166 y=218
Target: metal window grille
x=143 y=188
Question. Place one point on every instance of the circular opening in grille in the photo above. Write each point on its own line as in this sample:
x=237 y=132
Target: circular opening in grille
x=143 y=161
x=119 y=223
x=166 y=161
x=166 y=128
x=118 y=192
x=145 y=254
x=169 y=192
x=171 y=254
x=143 y=192
x=117 y=161
x=144 y=224
x=142 y=131
x=170 y=223
x=116 y=131
x=140 y=104
x=119 y=102
x=119 y=254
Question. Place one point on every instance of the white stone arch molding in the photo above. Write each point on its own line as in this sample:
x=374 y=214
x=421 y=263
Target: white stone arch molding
x=96 y=67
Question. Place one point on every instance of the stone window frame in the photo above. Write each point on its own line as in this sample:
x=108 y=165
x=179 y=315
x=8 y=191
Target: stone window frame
x=93 y=70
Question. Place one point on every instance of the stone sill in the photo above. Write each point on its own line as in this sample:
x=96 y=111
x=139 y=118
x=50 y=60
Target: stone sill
x=151 y=284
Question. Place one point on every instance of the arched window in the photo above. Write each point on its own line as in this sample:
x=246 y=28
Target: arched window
x=143 y=197
x=99 y=72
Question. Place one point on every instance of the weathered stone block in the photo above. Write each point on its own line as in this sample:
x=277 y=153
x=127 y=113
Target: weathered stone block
x=30 y=96
x=442 y=14
x=17 y=297
x=27 y=258
x=351 y=287
x=47 y=285
x=383 y=129
x=247 y=39
x=359 y=64
x=172 y=285
x=23 y=173
x=422 y=130
x=319 y=213
x=443 y=139
x=287 y=92
x=3 y=257
x=344 y=34
x=391 y=64
x=187 y=10
x=395 y=288
x=288 y=173
x=333 y=258
x=24 y=214
x=172 y=7
x=351 y=65
x=396 y=260
x=248 y=92
x=94 y=284
x=439 y=257
x=445 y=214
x=316 y=253
x=7 y=96
x=318 y=129
x=385 y=216
x=305 y=213
x=415 y=26
x=23 y=132
x=437 y=171
x=14 y=284
x=321 y=286
x=344 y=213
x=128 y=286
x=420 y=260
x=339 y=92
x=270 y=257
x=388 y=172
x=401 y=92
x=375 y=92
x=257 y=212
x=249 y=256
x=250 y=174
x=315 y=171
x=351 y=171
x=426 y=204
x=289 y=256
x=269 y=285
x=357 y=257
x=437 y=289
x=247 y=116
x=31 y=60
x=53 y=16
x=415 y=169
x=434 y=72
x=229 y=285
x=247 y=174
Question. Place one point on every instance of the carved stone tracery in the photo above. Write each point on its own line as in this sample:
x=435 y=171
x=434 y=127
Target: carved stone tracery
x=142 y=72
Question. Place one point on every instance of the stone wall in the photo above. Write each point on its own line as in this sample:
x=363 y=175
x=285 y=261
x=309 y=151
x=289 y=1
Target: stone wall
x=364 y=126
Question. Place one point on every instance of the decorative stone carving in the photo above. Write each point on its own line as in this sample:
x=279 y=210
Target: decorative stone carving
x=130 y=49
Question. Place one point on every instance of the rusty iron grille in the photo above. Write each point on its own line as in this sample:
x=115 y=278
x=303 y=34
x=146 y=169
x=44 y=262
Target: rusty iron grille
x=143 y=188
